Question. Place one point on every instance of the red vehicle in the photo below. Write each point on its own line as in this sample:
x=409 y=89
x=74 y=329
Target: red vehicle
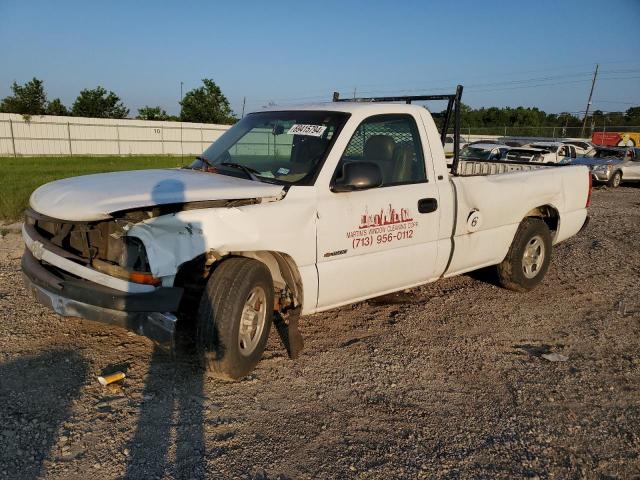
x=616 y=139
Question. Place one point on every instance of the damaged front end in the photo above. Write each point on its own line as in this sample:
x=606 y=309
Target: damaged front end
x=93 y=270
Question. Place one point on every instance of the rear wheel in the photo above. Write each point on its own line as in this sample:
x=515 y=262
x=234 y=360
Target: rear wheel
x=614 y=181
x=234 y=317
x=529 y=256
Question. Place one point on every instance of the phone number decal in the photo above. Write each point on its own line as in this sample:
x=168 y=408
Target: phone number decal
x=370 y=240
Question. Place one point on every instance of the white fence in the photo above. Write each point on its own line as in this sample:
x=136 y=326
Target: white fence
x=52 y=135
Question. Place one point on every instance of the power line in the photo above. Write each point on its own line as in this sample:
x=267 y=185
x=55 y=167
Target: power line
x=617 y=101
x=586 y=113
x=534 y=82
x=505 y=85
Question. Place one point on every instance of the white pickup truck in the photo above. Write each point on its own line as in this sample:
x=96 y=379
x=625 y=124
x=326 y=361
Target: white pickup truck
x=290 y=212
x=543 y=152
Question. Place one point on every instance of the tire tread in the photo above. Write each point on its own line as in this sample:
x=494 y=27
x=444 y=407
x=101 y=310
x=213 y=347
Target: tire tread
x=509 y=276
x=214 y=329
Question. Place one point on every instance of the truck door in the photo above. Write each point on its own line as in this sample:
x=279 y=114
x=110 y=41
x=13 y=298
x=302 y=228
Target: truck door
x=385 y=238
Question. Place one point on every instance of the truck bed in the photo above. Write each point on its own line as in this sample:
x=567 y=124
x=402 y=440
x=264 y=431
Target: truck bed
x=469 y=168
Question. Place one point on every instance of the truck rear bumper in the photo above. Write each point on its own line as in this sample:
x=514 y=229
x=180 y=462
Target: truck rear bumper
x=147 y=314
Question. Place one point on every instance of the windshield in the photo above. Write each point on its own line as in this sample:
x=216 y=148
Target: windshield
x=475 y=153
x=278 y=147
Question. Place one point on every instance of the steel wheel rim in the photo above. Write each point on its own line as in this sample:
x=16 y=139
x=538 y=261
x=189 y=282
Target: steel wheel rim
x=252 y=321
x=533 y=257
x=616 y=179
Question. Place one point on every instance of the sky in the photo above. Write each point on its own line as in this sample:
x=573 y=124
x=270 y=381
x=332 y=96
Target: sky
x=506 y=53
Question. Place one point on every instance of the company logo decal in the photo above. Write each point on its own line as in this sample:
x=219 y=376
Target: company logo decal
x=387 y=225
x=384 y=217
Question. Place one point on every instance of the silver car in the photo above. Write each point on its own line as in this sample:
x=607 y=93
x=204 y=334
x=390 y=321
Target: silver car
x=612 y=165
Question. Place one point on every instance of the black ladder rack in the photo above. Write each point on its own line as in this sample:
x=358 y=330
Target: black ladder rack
x=453 y=108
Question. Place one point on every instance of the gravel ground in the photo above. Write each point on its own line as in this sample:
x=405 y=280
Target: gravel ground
x=446 y=381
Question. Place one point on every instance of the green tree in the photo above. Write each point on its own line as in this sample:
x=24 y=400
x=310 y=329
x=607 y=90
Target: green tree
x=27 y=99
x=56 y=107
x=632 y=116
x=523 y=121
x=152 y=113
x=98 y=103
x=206 y=104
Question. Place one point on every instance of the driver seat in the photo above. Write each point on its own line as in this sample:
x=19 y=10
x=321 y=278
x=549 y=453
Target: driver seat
x=379 y=149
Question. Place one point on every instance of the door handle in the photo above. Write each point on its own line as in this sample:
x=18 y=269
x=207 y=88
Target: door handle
x=427 y=205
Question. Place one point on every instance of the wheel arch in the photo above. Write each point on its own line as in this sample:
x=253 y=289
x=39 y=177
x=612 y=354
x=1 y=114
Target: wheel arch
x=549 y=215
x=282 y=267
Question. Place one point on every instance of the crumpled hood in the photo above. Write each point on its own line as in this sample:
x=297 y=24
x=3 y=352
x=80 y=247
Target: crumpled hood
x=95 y=197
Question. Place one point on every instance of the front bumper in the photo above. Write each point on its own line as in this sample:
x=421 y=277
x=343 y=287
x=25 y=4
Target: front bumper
x=147 y=313
x=600 y=176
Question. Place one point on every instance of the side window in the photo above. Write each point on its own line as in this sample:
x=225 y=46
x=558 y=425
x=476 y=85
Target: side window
x=392 y=142
x=562 y=152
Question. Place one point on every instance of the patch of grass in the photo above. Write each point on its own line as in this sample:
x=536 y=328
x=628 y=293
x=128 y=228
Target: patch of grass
x=21 y=176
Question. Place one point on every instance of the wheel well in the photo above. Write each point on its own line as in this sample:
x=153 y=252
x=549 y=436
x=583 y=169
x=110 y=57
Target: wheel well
x=287 y=281
x=284 y=272
x=548 y=215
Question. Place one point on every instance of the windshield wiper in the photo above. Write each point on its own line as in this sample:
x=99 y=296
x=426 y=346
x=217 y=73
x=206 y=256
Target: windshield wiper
x=204 y=160
x=248 y=170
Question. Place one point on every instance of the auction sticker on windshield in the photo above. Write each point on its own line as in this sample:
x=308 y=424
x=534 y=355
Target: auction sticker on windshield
x=310 y=130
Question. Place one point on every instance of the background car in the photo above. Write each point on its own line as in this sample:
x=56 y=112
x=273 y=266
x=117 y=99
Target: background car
x=484 y=152
x=542 y=152
x=582 y=147
x=612 y=165
x=448 y=146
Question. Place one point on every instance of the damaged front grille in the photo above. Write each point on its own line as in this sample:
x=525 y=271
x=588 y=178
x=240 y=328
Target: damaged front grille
x=101 y=244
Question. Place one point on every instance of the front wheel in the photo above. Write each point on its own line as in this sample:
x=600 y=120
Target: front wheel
x=234 y=317
x=614 y=181
x=529 y=256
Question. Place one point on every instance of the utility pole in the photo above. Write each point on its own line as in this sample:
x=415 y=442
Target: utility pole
x=181 y=147
x=354 y=92
x=586 y=113
x=244 y=101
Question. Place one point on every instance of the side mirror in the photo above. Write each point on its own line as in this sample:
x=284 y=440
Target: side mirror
x=358 y=176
